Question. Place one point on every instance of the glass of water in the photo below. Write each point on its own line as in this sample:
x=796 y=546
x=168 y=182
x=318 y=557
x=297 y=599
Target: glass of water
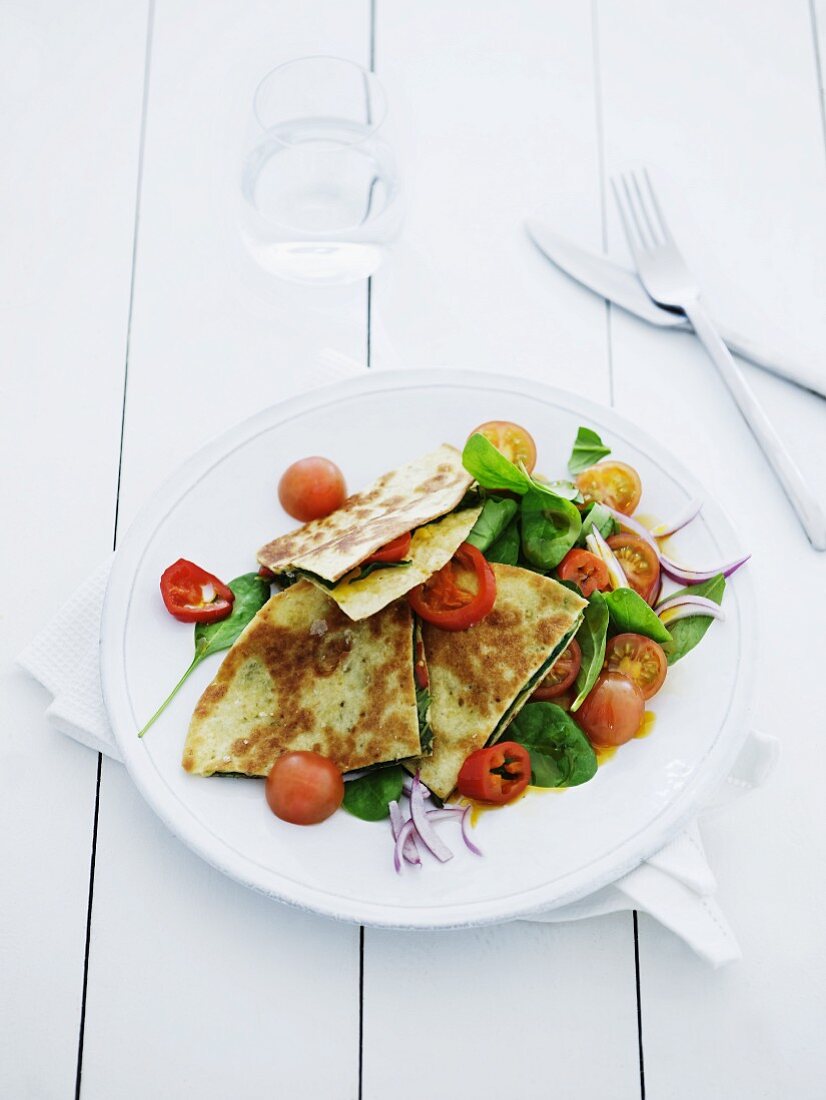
x=320 y=190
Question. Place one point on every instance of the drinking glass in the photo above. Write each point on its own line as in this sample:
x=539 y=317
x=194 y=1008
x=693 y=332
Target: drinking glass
x=320 y=189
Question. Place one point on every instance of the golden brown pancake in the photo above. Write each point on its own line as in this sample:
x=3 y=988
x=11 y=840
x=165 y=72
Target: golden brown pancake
x=480 y=677
x=303 y=675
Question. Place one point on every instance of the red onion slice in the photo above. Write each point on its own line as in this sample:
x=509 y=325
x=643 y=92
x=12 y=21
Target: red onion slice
x=407 y=786
x=686 y=598
x=688 y=610
x=690 y=512
x=424 y=827
x=466 y=835
x=685 y=575
x=633 y=525
x=597 y=545
x=397 y=823
x=406 y=833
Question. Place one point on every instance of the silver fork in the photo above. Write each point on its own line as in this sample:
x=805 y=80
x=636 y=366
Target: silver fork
x=669 y=283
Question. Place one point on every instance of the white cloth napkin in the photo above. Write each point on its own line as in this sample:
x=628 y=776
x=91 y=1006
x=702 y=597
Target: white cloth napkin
x=676 y=886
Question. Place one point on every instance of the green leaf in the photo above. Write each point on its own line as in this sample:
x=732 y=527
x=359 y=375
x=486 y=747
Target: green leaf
x=371 y=567
x=588 y=449
x=495 y=516
x=686 y=633
x=251 y=593
x=490 y=467
x=369 y=797
x=561 y=754
x=550 y=527
x=423 y=713
x=565 y=489
x=505 y=549
x=630 y=613
x=597 y=515
x=591 y=636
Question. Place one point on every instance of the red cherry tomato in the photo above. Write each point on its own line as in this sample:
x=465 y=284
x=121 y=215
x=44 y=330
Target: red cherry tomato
x=611 y=483
x=640 y=659
x=442 y=602
x=194 y=596
x=397 y=550
x=585 y=569
x=515 y=443
x=311 y=489
x=563 y=673
x=639 y=563
x=496 y=774
x=613 y=710
x=420 y=667
x=304 y=788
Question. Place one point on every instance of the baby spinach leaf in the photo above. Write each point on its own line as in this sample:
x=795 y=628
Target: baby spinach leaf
x=686 y=633
x=505 y=549
x=493 y=519
x=591 y=636
x=550 y=527
x=423 y=713
x=251 y=593
x=561 y=754
x=597 y=515
x=369 y=796
x=588 y=449
x=630 y=613
x=490 y=467
x=371 y=567
x=565 y=489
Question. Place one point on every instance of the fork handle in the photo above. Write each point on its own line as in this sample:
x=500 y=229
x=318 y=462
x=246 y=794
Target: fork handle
x=803 y=500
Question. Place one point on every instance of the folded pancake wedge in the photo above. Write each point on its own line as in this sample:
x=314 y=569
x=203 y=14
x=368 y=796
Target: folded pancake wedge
x=479 y=678
x=304 y=676
x=431 y=547
x=399 y=501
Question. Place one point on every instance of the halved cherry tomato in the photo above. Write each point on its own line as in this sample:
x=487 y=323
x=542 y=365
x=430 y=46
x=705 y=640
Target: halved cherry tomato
x=611 y=483
x=586 y=570
x=420 y=667
x=311 y=488
x=397 y=550
x=267 y=574
x=515 y=443
x=640 y=659
x=304 y=788
x=194 y=596
x=639 y=563
x=562 y=674
x=442 y=602
x=496 y=774
x=613 y=710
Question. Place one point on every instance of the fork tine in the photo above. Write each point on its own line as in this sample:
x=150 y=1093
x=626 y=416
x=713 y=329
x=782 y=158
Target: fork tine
x=629 y=198
x=656 y=238
x=634 y=243
x=660 y=216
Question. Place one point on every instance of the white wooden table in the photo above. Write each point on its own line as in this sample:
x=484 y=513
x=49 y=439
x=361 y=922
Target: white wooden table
x=129 y=335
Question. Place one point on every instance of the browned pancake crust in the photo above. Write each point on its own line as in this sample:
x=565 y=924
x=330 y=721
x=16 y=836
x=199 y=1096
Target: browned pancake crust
x=305 y=676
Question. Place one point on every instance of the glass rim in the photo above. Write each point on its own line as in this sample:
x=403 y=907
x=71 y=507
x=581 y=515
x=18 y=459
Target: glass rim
x=369 y=77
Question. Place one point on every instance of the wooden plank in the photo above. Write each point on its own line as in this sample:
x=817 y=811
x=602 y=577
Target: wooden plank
x=226 y=992
x=71 y=81
x=724 y=100
x=501 y=120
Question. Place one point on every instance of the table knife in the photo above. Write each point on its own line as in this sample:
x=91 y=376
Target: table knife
x=622 y=287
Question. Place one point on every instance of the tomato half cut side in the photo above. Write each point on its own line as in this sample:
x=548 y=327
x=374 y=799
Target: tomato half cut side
x=192 y=595
x=497 y=774
x=444 y=603
x=397 y=550
x=613 y=483
x=639 y=658
x=562 y=674
x=511 y=440
x=639 y=563
x=587 y=571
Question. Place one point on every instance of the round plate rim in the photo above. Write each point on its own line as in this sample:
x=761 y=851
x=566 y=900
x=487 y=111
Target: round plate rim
x=214 y=851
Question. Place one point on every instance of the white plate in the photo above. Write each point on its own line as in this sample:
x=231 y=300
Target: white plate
x=550 y=848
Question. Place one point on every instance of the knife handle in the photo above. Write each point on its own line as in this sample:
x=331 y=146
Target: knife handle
x=811 y=376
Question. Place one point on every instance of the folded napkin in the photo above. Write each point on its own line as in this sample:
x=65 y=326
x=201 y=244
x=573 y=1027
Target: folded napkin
x=676 y=886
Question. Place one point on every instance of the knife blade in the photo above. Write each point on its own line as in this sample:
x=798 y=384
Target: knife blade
x=622 y=287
